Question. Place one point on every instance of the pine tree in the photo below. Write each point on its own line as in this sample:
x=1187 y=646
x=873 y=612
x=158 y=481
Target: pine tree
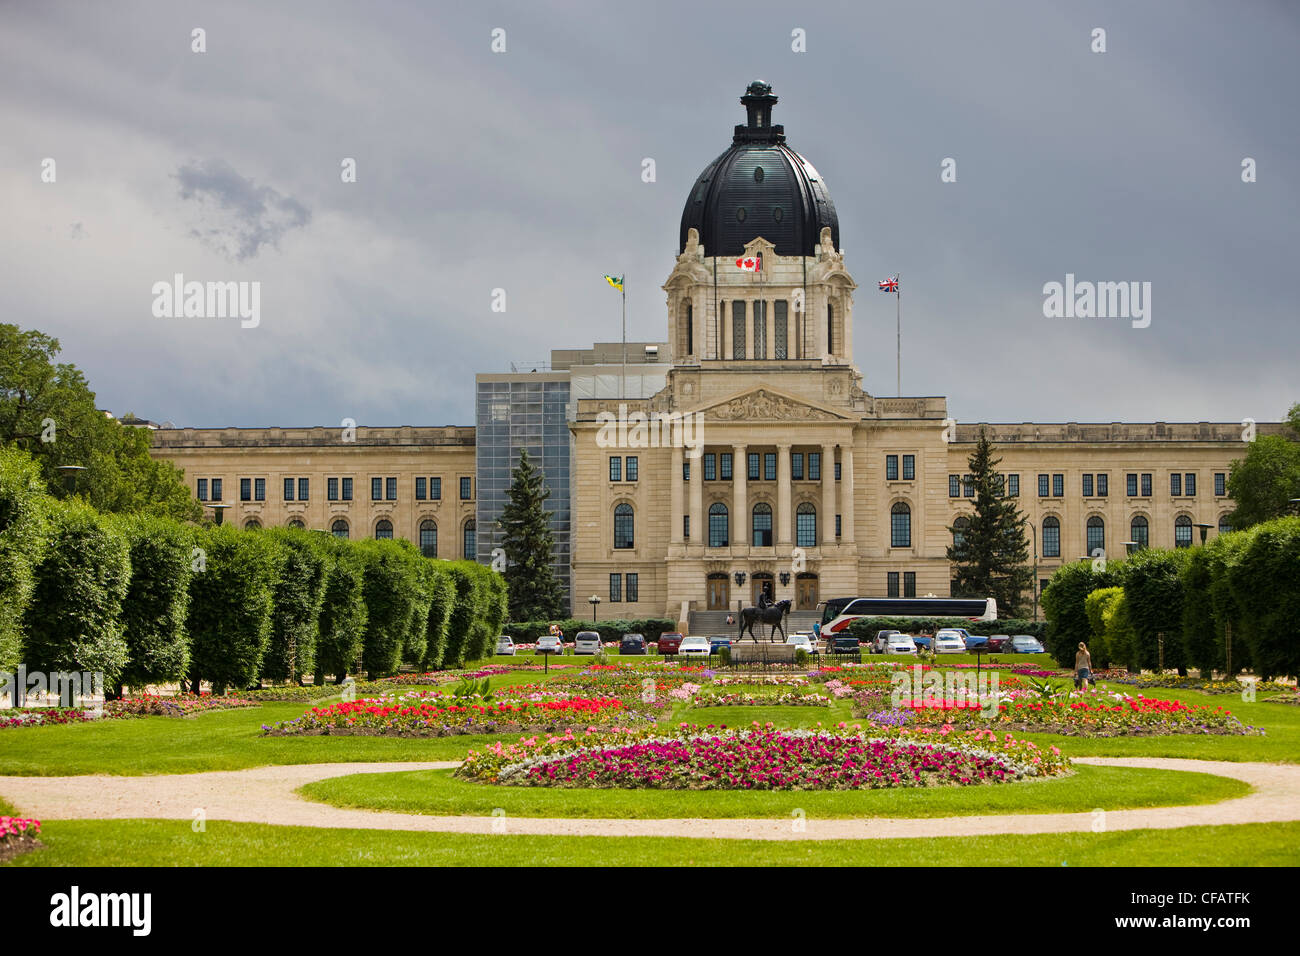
x=990 y=552
x=535 y=593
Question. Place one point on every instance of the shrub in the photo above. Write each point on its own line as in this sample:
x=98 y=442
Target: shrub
x=442 y=598
x=342 y=622
x=1063 y=605
x=1200 y=649
x=295 y=617
x=1226 y=554
x=1121 y=640
x=22 y=542
x=157 y=600
x=1095 y=606
x=461 y=625
x=74 y=622
x=1265 y=584
x=231 y=602
x=527 y=632
x=865 y=628
x=391 y=590
x=1154 y=597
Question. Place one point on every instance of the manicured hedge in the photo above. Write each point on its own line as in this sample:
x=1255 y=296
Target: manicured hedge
x=157 y=600
x=461 y=623
x=1064 y=607
x=527 y=632
x=865 y=628
x=343 y=613
x=392 y=591
x=22 y=543
x=1154 y=592
x=442 y=598
x=1265 y=584
x=296 y=604
x=74 y=621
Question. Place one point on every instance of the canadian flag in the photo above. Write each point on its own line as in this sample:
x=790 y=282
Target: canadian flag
x=749 y=264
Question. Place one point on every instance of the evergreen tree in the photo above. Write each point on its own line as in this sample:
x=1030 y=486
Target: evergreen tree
x=990 y=552
x=535 y=593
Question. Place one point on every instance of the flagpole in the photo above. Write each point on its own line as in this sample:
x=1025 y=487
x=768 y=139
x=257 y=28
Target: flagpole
x=898 y=328
x=623 y=386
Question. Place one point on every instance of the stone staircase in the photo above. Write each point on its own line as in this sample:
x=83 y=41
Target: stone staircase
x=706 y=623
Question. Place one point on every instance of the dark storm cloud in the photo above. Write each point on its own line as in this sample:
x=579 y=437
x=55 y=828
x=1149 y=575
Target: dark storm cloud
x=238 y=216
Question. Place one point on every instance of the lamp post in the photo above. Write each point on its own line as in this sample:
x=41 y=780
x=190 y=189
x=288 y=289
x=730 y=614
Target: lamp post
x=1034 y=528
x=740 y=583
x=1131 y=547
x=70 y=473
x=1294 y=505
x=219 y=511
x=593 y=601
x=1205 y=529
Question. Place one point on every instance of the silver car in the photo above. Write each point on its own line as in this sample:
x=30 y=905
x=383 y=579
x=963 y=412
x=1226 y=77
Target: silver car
x=549 y=644
x=587 y=642
x=506 y=645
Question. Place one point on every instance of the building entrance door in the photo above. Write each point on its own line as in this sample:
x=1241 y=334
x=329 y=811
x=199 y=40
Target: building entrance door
x=763 y=583
x=805 y=593
x=719 y=592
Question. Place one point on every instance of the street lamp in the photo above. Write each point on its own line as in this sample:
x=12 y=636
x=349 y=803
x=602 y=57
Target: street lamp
x=219 y=511
x=593 y=601
x=1132 y=546
x=1294 y=505
x=1034 y=528
x=70 y=473
x=1205 y=529
x=740 y=583
x=785 y=578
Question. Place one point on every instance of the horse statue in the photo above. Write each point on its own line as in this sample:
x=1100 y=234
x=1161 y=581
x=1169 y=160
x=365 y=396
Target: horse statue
x=773 y=614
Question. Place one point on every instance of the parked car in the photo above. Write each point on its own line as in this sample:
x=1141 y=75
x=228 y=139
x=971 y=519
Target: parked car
x=802 y=641
x=1024 y=644
x=717 y=641
x=973 y=641
x=587 y=642
x=844 y=644
x=922 y=641
x=998 y=643
x=549 y=644
x=669 y=643
x=693 y=647
x=949 y=641
x=633 y=644
x=878 y=642
x=506 y=645
x=898 y=643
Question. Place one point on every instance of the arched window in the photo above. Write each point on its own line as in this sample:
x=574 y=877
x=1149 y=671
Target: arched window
x=1225 y=525
x=469 y=540
x=383 y=529
x=252 y=524
x=623 y=526
x=830 y=328
x=805 y=525
x=958 y=527
x=900 y=525
x=339 y=528
x=1139 y=532
x=719 y=530
x=1051 y=537
x=1096 y=534
x=762 y=525
x=296 y=523
x=428 y=538
x=1182 y=532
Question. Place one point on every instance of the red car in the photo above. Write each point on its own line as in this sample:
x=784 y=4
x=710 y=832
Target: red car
x=669 y=643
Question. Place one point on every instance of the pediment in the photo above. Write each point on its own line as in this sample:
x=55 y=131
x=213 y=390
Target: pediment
x=766 y=404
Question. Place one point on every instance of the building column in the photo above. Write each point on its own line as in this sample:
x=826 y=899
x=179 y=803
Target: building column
x=676 y=495
x=699 y=533
x=828 y=495
x=846 y=492
x=739 y=496
x=784 y=499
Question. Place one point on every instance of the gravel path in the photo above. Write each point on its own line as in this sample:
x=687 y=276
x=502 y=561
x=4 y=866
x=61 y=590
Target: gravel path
x=265 y=795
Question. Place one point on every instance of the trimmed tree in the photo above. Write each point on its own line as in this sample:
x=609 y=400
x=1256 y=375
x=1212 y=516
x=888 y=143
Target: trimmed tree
x=22 y=542
x=1264 y=587
x=534 y=591
x=391 y=585
x=1262 y=483
x=343 y=614
x=460 y=627
x=1154 y=596
x=1064 y=606
x=295 y=619
x=157 y=601
x=442 y=598
x=990 y=554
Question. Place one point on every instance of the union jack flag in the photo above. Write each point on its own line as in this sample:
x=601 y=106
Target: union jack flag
x=889 y=285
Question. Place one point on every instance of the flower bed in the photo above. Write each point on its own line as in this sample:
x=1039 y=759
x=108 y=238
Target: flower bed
x=763 y=680
x=446 y=677
x=736 y=699
x=1174 y=682
x=180 y=705
x=18 y=835
x=762 y=758
x=43 y=716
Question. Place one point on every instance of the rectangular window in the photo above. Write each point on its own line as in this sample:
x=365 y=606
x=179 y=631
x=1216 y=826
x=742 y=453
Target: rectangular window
x=1131 y=484
x=1175 y=484
x=909 y=467
x=769 y=466
x=686 y=526
x=781 y=325
x=376 y=489
x=753 y=465
x=1042 y=486
x=686 y=471
x=202 y=487
x=1220 y=484
x=391 y=489
x=616 y=468
x=216 y=489
x=760 y=329
x=632 y=467
x=421 y=488
x=838 y=526
x=615 y=588
x=968 y=486
x=796 y=466
x=710 y=466
x=909 y=584
x=954 y=486
x=738 y=329
x=245 y=489
x=304 y=484
x=1189 y=484
x=891 y=468
x=1087 y=486
x=466 y=492
x=1058 y=486
x=332 y=489
x=1013 y=486
x=435 y=489
x=724 y=465
x=815 y=466
x=837 y=471
x=1000 y=485
x=1051 y=539
x=632 y=589
x=259 y=489
x=347 y=489
x=1146 y=484
x=891 y=584
x=1103 y=485
x=288 y=489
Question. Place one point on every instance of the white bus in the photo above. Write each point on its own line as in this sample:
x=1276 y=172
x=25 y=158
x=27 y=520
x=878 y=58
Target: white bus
x=839 y=613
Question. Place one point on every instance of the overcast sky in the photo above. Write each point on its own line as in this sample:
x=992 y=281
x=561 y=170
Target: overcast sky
x=521 y=170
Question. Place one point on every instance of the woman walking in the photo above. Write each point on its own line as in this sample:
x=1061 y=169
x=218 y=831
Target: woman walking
x=1082 y=666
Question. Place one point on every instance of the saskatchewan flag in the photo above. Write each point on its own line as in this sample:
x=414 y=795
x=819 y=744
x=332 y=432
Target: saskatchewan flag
x=615 y=281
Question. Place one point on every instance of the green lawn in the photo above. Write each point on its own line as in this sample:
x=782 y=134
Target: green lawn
x=437 y=792
x=87 y=843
